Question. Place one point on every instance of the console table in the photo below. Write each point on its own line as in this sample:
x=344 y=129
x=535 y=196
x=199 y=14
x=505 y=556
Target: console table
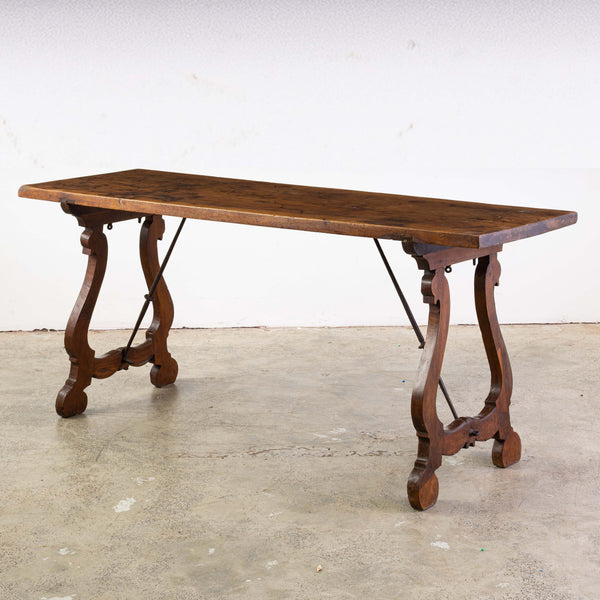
x=436 y=233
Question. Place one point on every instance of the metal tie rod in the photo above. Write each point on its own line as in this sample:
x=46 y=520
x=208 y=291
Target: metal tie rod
x=412 y=320
x=150 y=295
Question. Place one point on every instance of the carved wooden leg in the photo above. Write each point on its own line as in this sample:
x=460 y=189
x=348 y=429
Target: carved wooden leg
x=422 y=483
x=493 y=421
x=72 y=399
x=165 y=368
x=507 y=444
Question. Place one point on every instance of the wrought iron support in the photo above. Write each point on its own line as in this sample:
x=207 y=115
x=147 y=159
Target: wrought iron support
x=150 y=295
x=412 y=320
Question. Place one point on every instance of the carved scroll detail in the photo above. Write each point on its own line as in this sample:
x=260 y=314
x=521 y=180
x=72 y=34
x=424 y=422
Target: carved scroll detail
x=72 y=399
x=422 y=484
x=165 y=367
x=507 y=444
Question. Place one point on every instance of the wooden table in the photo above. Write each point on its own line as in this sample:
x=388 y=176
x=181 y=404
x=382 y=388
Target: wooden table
x=436 y=233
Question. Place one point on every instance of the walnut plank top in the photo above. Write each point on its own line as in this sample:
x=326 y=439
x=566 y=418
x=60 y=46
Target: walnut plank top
x=429 y=220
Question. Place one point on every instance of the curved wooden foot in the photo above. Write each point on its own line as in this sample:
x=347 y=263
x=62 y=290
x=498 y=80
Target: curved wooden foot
x=507 y=452
x=164 y=371
x=162 y=375
x=422 y=490
x=71 y=400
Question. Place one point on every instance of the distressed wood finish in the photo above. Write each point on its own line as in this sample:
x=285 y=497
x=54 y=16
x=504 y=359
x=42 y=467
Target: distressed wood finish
x=493 y=421
x=443 y=222
x=85 y=365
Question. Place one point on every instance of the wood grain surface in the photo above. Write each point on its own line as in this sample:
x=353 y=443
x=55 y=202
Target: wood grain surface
x=347 y=212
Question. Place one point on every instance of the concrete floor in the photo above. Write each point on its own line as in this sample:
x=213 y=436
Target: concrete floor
x=281 y=450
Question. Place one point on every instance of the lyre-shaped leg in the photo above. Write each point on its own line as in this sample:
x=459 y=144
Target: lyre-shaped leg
x=422 y=483
x=72 y=399
x=85 y=365
x=493 y=421
x=507 y=444
x=165 y=368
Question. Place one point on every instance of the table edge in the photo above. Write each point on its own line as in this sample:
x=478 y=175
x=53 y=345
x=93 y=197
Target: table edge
x=462 y=240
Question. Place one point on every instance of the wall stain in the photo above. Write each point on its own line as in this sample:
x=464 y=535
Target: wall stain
x=15 y=142
x=10 y=134
x=404 y=131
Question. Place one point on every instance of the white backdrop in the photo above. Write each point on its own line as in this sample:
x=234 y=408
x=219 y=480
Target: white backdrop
x=483 y=101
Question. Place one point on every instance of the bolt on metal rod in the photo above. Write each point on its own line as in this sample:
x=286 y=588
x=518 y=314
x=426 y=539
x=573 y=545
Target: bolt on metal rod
x=412 y=320
x=150 y=295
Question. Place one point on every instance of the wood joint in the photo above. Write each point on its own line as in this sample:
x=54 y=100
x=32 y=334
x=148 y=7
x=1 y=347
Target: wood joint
x=430 y=257
x=89 y=216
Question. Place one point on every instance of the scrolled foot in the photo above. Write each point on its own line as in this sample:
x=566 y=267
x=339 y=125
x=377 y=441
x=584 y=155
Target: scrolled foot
x=422 y=493
x=70 y=401
x=507 y=452
x=162 y=375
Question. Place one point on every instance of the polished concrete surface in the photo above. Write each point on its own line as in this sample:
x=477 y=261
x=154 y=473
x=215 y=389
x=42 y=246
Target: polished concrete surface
x=280 y=451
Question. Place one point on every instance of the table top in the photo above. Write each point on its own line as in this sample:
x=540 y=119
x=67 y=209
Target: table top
x=347 y=212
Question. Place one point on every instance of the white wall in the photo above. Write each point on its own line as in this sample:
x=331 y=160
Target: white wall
x=485 y=101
